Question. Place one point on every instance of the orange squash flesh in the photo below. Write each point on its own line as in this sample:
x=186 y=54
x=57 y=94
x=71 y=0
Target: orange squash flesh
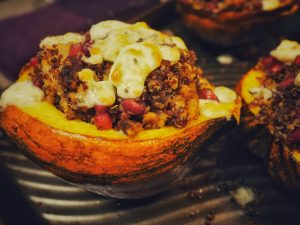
x=120 y=161
x=282 y=162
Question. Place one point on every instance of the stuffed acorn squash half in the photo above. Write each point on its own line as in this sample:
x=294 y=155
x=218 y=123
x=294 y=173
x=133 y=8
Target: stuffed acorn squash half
x=233 y=22
x=121 y=110
x=271 y=112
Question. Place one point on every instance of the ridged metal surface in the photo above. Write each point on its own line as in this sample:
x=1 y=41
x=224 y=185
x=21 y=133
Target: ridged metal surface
x=201 y=198
x=225 y=167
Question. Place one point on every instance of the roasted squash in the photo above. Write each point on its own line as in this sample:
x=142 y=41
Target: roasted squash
x=105 y=160
x=108 y=162
x=228 y=23
x=270 y=125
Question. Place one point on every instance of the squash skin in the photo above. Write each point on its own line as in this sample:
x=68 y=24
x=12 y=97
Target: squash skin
x=116 y=168
x=231 y=28
x=280 y=160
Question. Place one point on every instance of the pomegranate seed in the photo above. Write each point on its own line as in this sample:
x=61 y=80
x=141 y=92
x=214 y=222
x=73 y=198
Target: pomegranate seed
x=276 y=69
x=103 y=121
x=133 y=106
x=100 y=108
x=286 y=82
x=86 y=48
x=207 y=93
x=298 y=111
x=75 y=49
x=38 y=83
x=268 y=61
x=297 y=60
x=294 y=137
x=34 y=61
x=212 y=6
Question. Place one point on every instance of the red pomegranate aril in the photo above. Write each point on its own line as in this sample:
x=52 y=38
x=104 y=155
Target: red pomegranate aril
x=268 y=61
x=38 y=83
x=103 y=121
x=286 y=82
x=132 y=106
x=100 y=108
x=276 y=69
x=294 y=137
x=75 y=49
x=207 y=93
x=212 y=6
x=298 y=112
x=297 y=60
x=34 y=61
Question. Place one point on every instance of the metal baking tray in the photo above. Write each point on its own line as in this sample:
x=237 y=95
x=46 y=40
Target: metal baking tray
x=35 y=196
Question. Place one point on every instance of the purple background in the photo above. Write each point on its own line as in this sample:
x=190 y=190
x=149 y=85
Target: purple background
x=20 y=36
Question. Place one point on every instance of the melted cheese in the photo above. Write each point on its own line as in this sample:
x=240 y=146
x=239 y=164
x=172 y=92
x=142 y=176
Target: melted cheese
x=287 y=51
x=131 y=68
x=224 y=108
x=136 y=51
x=225 y=95
x=102 y=29
x=112 y=36
x=68 y=38
x=95 y=57
x=98 y=93
x=22 y=93
x=213 y=109
x=269 y=5
x=261 y=91
x=250 y=81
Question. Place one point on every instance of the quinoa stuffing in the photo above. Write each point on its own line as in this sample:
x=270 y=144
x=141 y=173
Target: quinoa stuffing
x=145 y=80
x=279 y=97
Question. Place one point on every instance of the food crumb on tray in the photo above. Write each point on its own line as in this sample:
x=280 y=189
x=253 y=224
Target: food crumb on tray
x=243 y=196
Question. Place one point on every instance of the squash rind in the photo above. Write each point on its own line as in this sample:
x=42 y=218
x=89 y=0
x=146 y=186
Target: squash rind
x=123 y=161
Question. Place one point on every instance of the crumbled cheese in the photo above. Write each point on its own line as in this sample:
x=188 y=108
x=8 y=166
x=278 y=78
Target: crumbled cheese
x=261 y=91
x=287 y=51
x=225 y=95
x=297 y=80
x=68 y=38
x=268 y=5
x=243 y=196
x=214 y=109
x=22 y=93
x=98 y=93
x=225 y=59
